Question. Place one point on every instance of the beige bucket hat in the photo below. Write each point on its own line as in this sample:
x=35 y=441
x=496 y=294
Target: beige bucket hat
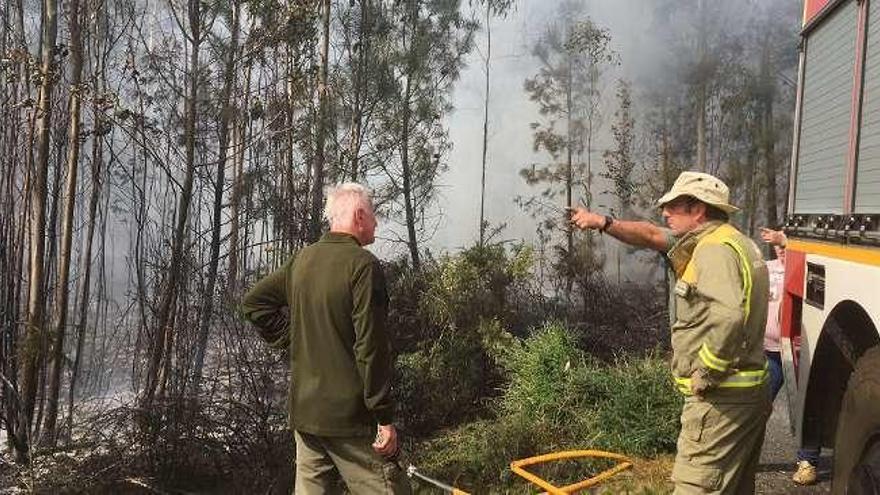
x=704 y=187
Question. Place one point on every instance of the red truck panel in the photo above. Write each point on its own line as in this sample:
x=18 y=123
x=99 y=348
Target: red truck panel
x=811 y=8
x=792 y=300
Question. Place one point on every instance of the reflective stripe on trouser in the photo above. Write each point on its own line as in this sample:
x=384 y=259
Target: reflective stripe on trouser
x=740 y=379
x=327 y=465
x=719 y=446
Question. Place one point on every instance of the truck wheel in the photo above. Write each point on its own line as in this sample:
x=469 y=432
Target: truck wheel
x=857 y=444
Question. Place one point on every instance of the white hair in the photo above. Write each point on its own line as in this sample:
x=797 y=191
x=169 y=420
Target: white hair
x=343 y=200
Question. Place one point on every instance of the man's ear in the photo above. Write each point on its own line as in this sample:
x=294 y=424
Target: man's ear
x=700 y=209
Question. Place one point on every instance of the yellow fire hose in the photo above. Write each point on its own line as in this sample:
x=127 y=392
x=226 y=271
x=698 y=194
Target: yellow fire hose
x=517 y=467
x=623 y=465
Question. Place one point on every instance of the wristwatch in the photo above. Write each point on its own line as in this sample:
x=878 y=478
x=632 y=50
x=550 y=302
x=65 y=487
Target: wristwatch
x=608 y=221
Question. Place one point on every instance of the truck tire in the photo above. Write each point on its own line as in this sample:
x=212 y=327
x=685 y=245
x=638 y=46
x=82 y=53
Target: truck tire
x=857 y=443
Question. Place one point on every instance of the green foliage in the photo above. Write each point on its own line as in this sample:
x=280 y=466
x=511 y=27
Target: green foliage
x=476 y=285
x=476 y=456
x=628 y=404
x=619 y=162
x=540 y=375
x=457 y=293
x=406 y=288
x=464 y=303
x=636 y=405
x=555 y=399
x=452 y=375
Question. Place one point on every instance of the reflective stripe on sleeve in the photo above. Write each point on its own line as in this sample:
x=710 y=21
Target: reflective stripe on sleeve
x=745 y=268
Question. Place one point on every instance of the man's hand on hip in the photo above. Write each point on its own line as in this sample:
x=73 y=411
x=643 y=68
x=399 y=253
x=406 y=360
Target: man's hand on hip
x=386 y=441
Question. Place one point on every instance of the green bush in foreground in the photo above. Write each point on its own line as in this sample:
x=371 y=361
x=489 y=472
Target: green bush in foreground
x=446 y=376
x=556 y=398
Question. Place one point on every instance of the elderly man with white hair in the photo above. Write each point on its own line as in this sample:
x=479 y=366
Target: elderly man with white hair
x=327 y=305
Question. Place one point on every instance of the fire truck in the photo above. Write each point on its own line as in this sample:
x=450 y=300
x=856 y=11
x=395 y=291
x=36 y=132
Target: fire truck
x=831 y=301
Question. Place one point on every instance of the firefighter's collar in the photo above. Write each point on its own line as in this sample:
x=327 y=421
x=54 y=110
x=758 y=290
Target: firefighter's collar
x=681 y=253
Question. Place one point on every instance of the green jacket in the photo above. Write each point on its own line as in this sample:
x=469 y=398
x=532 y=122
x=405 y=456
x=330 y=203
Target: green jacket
x=327 y=305
x=720 y=309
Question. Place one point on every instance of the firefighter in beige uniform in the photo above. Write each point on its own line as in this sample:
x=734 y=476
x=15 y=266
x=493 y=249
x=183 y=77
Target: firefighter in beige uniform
x=720 y=309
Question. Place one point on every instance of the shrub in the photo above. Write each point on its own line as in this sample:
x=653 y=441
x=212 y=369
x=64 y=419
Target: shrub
x=539 y=372
x=447 y=375
x=557 y=398
x=478 y=284
x=475 y=457
x=636 y=408
x=631 y=319
x=406 y=287
x=458 y=292
x=440 y=386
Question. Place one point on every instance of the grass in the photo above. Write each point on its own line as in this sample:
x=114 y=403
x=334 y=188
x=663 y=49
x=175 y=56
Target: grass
x=647 y=477
x=555 y=399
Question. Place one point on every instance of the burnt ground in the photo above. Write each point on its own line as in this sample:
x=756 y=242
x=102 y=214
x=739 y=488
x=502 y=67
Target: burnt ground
x=778 y=459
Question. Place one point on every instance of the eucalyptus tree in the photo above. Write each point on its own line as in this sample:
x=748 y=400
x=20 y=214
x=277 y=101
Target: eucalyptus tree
x=100 y=45
x=431 y=41
x=573 y=54
x=229 y=54
x=19 y=70
x=193 y=24
x=31 y=347
x=284 y=114
x=323 y=126
x=619 y=161
x=773 y=42
x=59 y=323
x=365 y=86
x=491 y=8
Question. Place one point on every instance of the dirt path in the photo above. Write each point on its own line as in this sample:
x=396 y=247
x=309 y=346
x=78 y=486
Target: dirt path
x=778 y=459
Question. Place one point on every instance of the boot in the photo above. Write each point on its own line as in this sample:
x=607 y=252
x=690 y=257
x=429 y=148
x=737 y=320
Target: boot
x=805 y=474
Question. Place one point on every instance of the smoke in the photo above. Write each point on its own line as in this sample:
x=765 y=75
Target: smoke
x=510 y=143
x=653 y=40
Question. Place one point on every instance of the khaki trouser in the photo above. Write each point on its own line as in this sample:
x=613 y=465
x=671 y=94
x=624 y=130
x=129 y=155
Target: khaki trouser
x=720 y=443
x=326 y=465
